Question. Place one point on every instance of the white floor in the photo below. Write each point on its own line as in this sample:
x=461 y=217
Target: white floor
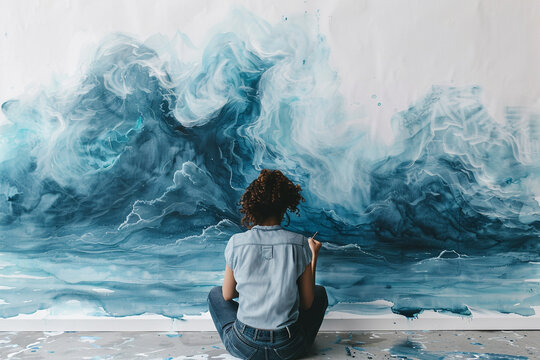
x=493 y=345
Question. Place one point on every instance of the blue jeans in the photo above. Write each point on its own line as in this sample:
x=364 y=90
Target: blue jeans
x=249 y=343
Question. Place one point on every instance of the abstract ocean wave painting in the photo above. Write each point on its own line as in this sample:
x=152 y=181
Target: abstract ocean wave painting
x=119 y=186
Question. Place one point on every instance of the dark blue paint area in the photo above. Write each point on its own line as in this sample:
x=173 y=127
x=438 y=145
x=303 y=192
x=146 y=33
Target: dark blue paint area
x=121 y=191
x=413 y=312
x=448 y=184
x=415 y=350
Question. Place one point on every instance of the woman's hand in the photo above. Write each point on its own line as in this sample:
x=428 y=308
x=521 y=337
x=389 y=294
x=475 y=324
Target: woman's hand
x=315 y=246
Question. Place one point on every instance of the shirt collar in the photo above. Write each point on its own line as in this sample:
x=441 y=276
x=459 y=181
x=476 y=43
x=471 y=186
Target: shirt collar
x=266 y=227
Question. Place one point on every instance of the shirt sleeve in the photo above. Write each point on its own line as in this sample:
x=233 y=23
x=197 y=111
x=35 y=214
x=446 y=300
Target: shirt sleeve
x=229 y=253
x=304 y=258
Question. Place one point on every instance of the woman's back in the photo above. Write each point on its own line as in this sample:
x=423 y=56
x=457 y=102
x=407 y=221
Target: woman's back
x=272 y=273
x=267 y=261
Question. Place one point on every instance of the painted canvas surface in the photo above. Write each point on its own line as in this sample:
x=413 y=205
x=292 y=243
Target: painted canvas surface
x=129 y=131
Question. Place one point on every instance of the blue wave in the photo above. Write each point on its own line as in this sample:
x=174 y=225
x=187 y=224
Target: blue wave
x=137 y=143
x=458 y=178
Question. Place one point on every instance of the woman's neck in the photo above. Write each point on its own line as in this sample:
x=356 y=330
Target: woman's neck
x=271 y=221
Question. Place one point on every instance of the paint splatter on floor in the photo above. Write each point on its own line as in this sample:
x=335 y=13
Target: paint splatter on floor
x=414 y=345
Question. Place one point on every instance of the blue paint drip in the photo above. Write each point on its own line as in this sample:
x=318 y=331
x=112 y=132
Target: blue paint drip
x=90 y=338
x=415 y=350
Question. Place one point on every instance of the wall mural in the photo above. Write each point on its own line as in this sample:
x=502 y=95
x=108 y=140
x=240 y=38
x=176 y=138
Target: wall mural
x=119 y=186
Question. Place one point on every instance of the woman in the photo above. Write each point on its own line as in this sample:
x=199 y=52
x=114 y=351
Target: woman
x=272 y=272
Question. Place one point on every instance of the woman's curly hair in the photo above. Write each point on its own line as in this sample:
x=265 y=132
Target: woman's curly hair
x=270 y=195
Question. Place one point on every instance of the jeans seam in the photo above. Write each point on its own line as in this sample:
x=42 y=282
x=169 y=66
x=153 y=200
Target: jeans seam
x=240 y=337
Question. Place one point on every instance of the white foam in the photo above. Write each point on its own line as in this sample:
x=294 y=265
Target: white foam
x=102 y=290
x=23 y=276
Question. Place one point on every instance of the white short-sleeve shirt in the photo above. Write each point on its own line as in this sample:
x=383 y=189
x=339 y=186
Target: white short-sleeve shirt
x=266 y=262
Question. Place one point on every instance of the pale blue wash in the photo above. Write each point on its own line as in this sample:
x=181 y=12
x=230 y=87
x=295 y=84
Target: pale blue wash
x=267 y=261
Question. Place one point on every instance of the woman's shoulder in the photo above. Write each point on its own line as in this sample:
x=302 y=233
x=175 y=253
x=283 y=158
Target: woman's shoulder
x=240 y=237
